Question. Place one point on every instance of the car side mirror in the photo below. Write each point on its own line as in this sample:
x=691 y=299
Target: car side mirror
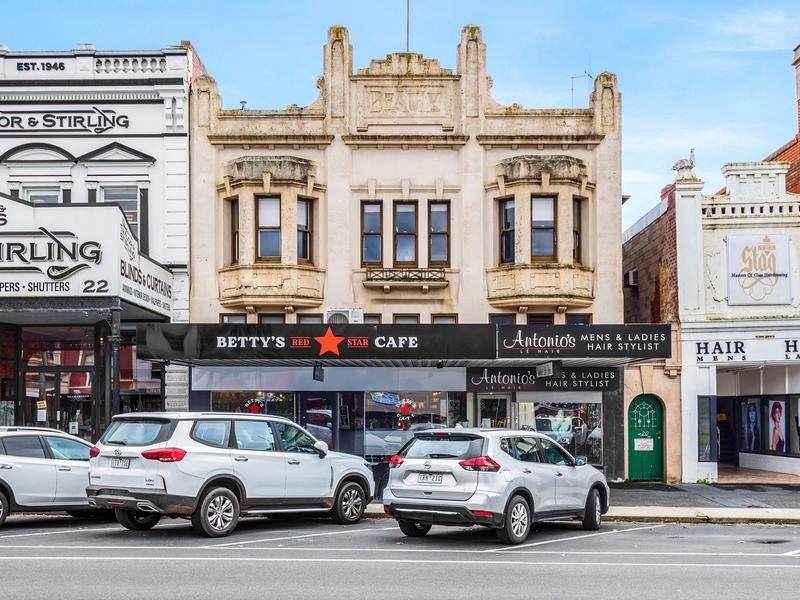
x=580 y=461
x=321 y=448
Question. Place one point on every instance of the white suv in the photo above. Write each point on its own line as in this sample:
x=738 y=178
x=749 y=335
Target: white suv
x=42 y=470
x=212 y=467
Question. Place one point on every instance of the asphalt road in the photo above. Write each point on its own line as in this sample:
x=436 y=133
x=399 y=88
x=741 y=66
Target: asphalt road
x=64 y=559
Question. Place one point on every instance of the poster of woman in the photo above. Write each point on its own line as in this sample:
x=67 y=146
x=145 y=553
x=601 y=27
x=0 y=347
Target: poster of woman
x=751 y=427
x=777 y=426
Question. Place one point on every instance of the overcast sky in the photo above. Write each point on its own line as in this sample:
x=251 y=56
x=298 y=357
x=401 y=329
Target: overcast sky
x=713 y=75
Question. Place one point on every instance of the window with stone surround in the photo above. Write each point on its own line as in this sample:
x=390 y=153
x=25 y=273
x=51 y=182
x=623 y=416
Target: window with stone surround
x=439 y=234
x=233 y=221
x=304 y=230
x=405 y=233
x=543 y=228
x=507 y=230
x=577 y=230
x=372 y=233
x=268 y=214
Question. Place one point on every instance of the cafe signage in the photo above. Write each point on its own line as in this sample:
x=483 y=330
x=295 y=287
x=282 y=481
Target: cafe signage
x=571 y=379
x=77 y=251
x=584 y=341
x=328 y=342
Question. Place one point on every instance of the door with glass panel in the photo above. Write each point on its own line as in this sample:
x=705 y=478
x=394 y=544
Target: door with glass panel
x=495 y=411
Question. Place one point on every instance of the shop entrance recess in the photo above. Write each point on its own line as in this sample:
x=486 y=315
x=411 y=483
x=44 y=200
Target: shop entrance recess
x=646 y=439
x=496 y=410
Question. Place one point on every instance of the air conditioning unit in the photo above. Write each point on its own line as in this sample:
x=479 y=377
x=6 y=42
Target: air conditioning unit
x=344 y=315
x=631 y=279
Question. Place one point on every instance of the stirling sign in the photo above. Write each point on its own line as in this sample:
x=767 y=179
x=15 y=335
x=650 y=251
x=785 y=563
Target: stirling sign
x=77 y=251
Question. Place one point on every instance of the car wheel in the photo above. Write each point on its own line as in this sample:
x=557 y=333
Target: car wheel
x=414 y=529
x=217 y=514
x=5 y=508
x=351 y=502
x=593 y=513
x=516 y=523
x=136 y=520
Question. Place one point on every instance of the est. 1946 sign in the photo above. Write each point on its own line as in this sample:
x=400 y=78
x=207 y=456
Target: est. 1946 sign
x=76 y=250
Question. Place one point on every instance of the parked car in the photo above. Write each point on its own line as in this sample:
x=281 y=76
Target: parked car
x=501 y=479
x=42 y=470
x=214 y=467
x=571 y=432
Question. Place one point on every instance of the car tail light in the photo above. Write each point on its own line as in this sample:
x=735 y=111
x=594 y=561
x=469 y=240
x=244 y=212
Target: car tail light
x=395 y=460
x=94 y=451
x=387 y=507
x=441 y=434
x=165 y=454
x=481 y=513
x=480 y=463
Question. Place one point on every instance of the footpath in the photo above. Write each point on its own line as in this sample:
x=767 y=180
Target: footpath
x=696 y=503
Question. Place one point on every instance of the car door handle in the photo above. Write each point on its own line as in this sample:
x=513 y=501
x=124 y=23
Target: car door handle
x=559 y=474
x=526 y=470
x=293 y=461
x=240 y=458
x=65 y=468
x=6 y=467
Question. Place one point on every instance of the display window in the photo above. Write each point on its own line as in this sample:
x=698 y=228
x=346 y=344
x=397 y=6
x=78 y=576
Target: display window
x=577 y=426
x=392 y=418
x=273 y=403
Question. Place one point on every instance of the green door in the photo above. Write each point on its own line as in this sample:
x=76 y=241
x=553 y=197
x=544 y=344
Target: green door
x=646 y=439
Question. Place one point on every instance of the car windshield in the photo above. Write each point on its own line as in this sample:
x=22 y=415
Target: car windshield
x=460 y=447
x=127 y=432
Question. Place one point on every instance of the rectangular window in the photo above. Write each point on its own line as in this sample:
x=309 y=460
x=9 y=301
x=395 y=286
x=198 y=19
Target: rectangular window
x=707 y=428
x=540 y=319
x=128 y=199
x=507 y=231
x=543 y=228
x=233 y=207
x=444 y=319
x=275 y=319
x=309 y=319
x=43 y=195
x=269 y=228
x=372 y=319
x=406 y=319
x=254 y=435
x=304 y=230
x=502 y=319
x=577 y=249
x=439 y=233
x=579 y=319
x=233 y=319
x=405 y=233
x=371 y=233
x=26 y=446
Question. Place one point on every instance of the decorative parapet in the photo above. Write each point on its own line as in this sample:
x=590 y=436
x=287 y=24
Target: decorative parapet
x=278 y=168
x=404 y=63
x=559 y=168
x=530 y=285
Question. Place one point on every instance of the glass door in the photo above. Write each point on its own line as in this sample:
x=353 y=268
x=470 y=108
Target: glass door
x=75 y=403
x=41 y=400
x=495 y=411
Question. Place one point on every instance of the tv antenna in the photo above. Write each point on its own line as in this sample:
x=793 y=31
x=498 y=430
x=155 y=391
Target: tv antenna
x=585 y=75
x=408 y=26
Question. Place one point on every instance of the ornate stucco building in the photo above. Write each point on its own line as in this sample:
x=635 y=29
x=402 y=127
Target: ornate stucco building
x=406 y=195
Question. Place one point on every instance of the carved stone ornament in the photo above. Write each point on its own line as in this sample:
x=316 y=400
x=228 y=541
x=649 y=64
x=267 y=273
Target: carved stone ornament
x=279 y=168
x=559 y=168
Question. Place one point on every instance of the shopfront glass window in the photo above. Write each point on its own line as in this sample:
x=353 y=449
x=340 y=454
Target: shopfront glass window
x=8 y=377
x=274 y=403
x=793 y=433
x=57 y=346
x=577 y=426
x=707 y=429
x=139 y=379
x=392 y=418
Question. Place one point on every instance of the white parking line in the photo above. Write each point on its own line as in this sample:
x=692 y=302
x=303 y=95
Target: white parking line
x=240 y=559
x=297 y=537
x=792 y=553
x=575 y=537
x=59 y=532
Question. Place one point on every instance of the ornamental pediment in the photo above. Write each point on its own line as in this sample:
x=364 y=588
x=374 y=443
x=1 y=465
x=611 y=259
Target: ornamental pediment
x=558 y=167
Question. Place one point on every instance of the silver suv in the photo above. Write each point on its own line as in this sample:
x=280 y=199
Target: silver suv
x=214 y=467
x=497 y=478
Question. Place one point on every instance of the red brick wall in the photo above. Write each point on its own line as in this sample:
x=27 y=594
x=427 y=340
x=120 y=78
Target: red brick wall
x=653 y=252
x=790 y=153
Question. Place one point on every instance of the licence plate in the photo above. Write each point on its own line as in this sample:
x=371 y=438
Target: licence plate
x=435 y=478
x=120 y=463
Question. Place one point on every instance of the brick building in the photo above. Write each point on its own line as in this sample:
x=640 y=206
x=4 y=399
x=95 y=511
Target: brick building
x=790 y=151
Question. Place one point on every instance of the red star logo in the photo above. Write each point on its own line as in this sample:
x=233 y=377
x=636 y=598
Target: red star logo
x=329 y=343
